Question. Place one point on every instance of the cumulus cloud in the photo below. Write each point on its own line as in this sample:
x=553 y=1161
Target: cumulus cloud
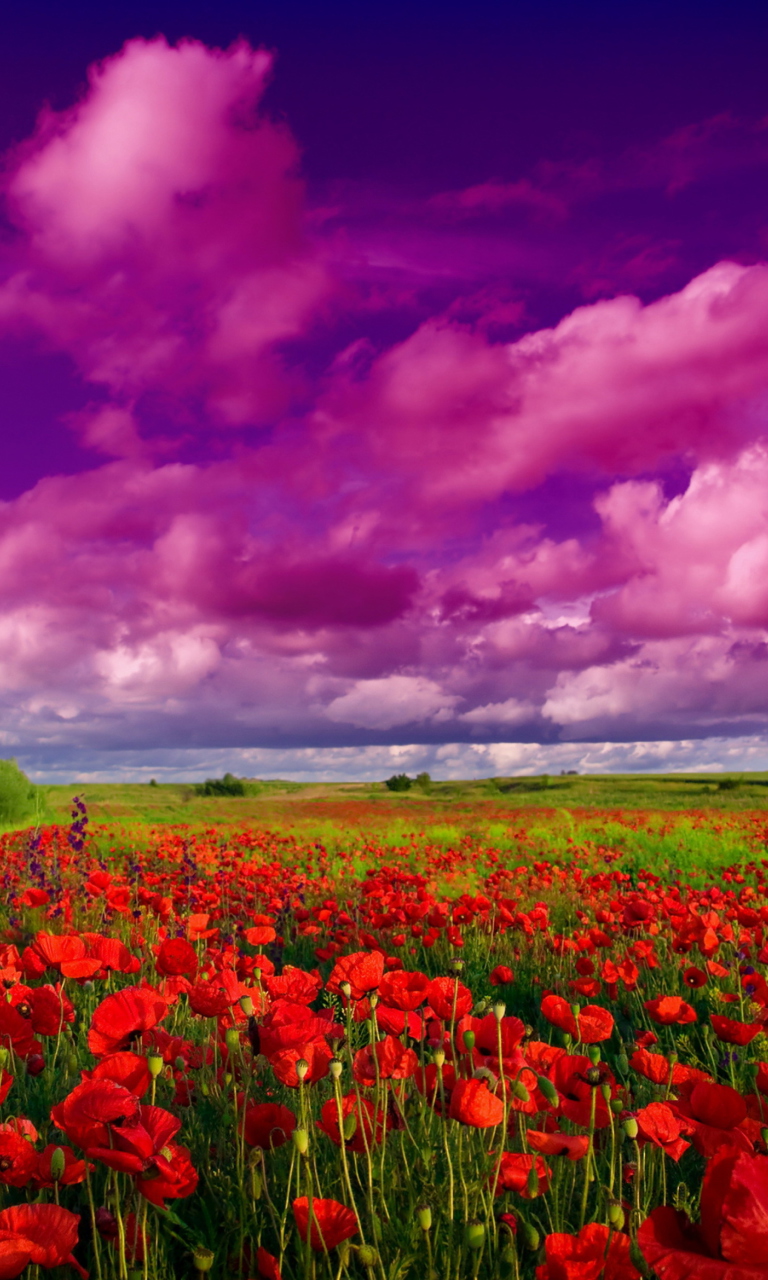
x=437 y=542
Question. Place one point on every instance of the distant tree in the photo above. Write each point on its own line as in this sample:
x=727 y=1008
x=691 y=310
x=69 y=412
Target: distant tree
x=18 y=796
x=423 y=781
x=398 y=782
x=229 y=785
x=152 y=782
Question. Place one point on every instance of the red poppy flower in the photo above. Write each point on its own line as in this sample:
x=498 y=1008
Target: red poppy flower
x=667 y=1010
x=473 y=1104
x=501 y=975
x=74 y=1169
x=315 y=1053
x=85 y=1112
x=363 y=1125
x=514 y=1169
x=363 y=970
x=392 y=1062
x=268 y=1125
x=715 y=1114
x=594 y=1023
x=404 y=990
x=289 y=1025
x=596 y=1253
x=209 y=999
x=732 y=1032
x=18 y=1159
x=574 y=1146
x=122 y=1017
x=130 y=1070
x=332 y=1222
x=448 y=998
x=694 y=977
x=44 y=1234
x=111 y=953
x=731 y=1240
x=657 y=1123
x=267 y=1266
x=47 y=1008
x=136 y=1146
x=176 y=956
x=579 y=1085
x=429 y=1082
x=293 y=984
x=654 y=1067
x=65 y=952
x=16 y=1031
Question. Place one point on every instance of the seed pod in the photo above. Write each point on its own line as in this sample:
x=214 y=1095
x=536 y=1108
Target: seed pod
x=594 y=1054
x=424 y=1215
x=302 y=1067
x=438 y=1057
x=202 y=1258
x=367 y=1255
x=301 y=1141
x=58 y=1164
x=616 y=1105
x=605 y=1091
x=154 y=1065
x=592 y=1076
x=346 y=989
x=335 y=1067
x=474 y=1234
x=616 y=1216
x=499 y=1009
x=631 y=1127
x=246 y=1004
x=468 y=1037
x=232 y=1039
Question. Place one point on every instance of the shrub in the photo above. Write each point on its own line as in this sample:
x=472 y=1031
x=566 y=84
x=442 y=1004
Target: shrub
x=423 y=781
x=398 y=782
x=229 y=785
x=18 y=796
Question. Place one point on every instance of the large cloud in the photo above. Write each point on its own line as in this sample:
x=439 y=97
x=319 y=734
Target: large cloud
x=391 y=559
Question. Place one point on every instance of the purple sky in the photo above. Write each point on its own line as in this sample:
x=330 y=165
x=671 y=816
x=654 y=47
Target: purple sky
x=383 y=385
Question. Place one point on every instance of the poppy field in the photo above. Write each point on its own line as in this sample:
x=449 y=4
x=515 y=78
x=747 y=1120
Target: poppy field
x=244 y=1053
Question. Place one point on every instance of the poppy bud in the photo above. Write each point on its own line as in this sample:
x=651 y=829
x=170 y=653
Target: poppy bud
x=499 y=1009
x=567 y=1041
x=593 y=1053
x=202 y=1258
x=520 y=1091
x=301 y=1141
x=764 y=1135
x=367 y=1255
x=256 y=1183
x=58 y=1164
x=135 y=1274
x=617 y=1106
x=530 y=1236
x=5 y=1057
x=576 y=1010
x=474 y=1234
x=616 y=1216
x=631 y=1128
x=232 y=1039
x=468 y=1037
x=605 y=1090
x=507 y=1262
x=349 y=1125
x=373 y=999
x=532 y=1182
x=438 y=1057
x=302 y=1067
x=35 y=1064
x=424 y=1215
x=622 y=1064
x=335 y=1067
x=154 y=1065
x=548 y=1089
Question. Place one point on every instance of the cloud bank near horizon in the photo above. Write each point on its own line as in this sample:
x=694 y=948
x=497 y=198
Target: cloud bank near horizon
x=299 y=532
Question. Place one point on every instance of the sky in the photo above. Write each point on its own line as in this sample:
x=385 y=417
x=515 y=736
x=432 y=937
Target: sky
x=383 y=387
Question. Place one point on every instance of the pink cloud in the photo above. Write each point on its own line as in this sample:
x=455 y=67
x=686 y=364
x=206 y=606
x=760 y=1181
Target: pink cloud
x=615 y=386
x=160 y=231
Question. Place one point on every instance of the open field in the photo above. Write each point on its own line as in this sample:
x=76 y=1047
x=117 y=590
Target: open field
x=334 y=1033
